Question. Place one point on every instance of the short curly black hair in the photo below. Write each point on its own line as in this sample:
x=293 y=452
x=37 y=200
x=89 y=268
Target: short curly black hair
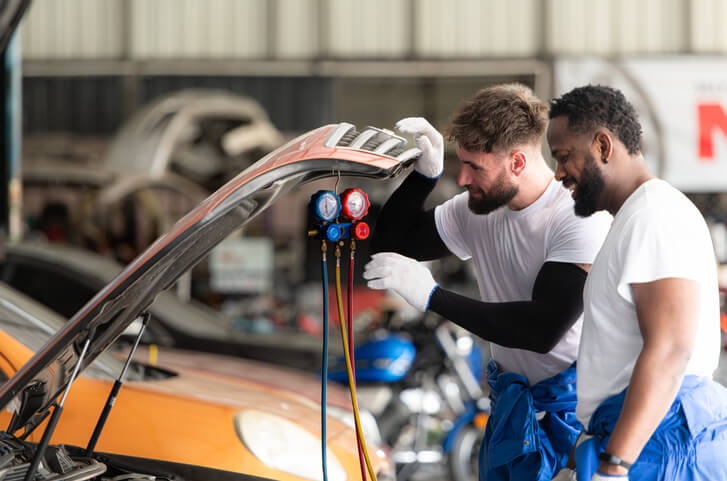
x=593 y=106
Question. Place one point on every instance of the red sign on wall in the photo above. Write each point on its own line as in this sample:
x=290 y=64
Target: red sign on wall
x=711 y=121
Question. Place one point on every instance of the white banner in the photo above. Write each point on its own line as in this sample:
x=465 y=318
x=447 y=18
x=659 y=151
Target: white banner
x=682 y=106
x=242 y=265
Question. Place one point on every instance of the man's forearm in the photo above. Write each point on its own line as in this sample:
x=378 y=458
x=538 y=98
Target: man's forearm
x=654 y=384
x=668 y=319
x=536 y=325
x=404 y=227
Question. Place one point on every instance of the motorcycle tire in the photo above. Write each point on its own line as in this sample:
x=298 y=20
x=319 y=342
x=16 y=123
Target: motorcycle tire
x=391 y=422
x=463 y=459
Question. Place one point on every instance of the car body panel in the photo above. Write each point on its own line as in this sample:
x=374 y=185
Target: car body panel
x=301 y=386
x=187 y=418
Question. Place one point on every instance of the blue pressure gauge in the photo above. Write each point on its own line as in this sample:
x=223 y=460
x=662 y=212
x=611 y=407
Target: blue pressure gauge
x=325 y=205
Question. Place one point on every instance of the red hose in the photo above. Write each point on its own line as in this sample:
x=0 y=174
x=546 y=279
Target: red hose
x=349 y=293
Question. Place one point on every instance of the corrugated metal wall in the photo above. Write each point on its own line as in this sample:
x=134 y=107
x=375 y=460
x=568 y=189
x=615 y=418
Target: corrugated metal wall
x=94 y=105
x=301 y=29
x=73 y=29
x=195 y=29
x=297 y=29
x=616 y=27
x=84 y=105
x=371 y=28
x=477 y=28
x=708 y=26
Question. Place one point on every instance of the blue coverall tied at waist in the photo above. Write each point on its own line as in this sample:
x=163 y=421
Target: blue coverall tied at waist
x=516 y=444
x=690 y=443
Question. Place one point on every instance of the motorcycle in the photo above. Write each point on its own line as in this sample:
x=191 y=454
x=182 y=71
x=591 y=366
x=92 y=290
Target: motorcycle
x=422 y=381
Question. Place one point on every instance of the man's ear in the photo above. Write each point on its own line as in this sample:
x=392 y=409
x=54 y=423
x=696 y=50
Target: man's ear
x=518 y=161
x=604 y=144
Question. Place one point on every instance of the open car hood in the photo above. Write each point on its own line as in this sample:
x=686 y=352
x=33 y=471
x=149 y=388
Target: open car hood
x=324 y=152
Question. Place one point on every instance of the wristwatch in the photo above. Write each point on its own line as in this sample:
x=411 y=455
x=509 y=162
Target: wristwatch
x=615 y=460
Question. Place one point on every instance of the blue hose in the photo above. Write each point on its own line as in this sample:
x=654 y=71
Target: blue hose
x=325 y=365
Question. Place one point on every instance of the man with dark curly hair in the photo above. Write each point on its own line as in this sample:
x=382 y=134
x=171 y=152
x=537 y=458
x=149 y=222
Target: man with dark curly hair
x=530 y=253
x=650 y=338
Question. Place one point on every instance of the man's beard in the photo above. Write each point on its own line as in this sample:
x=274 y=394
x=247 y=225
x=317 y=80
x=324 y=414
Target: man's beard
x=500 y=194
x=589 y=188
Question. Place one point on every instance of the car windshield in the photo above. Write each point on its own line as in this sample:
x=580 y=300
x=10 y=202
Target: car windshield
x=32 y=325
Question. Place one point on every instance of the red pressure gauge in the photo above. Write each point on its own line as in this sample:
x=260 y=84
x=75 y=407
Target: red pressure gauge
x=355 y=203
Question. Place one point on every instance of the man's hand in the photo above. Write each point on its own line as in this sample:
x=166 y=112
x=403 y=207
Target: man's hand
x=430 y=142
x=407 y=277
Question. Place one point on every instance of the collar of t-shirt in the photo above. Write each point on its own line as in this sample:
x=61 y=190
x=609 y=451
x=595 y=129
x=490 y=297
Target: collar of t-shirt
x=543 y=199
x=639 y=192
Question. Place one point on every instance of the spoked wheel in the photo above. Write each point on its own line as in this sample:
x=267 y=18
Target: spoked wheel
x=464 y=457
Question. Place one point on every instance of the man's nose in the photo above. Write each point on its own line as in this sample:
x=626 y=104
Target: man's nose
x=559 y=171
x=463 y=178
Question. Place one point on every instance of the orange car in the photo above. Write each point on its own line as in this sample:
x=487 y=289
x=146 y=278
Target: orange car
x=186 y=416
x=177 y=416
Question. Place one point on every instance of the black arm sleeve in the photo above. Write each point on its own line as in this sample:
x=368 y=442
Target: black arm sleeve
x=403 y=226
x=536 y=325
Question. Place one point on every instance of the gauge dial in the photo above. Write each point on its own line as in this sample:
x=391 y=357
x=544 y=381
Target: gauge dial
x=326 y=205
x=355 y=203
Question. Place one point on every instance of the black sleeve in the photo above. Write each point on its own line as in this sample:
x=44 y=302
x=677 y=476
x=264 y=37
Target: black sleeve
x=403 y=226
x=536 y=325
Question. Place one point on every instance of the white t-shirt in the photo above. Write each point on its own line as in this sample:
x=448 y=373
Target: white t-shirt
x=508 y=249
x=657 y=233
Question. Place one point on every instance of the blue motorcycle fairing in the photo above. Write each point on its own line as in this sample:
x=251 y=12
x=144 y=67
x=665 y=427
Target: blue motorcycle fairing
x=384 y=360
x=466 y=418
x=476 y=363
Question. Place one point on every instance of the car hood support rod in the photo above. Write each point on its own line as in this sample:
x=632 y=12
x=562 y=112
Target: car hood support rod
x=40 y=451
x=115 y=390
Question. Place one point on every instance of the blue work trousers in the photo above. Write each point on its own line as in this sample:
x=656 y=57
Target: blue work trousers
x=517 y=444
x=690 y=443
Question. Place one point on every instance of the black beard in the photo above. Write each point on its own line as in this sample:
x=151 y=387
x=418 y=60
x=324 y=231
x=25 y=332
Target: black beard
x=500 y=194
x=589 y=188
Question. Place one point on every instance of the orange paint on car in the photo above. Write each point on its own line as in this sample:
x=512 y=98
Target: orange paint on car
x=185 y=419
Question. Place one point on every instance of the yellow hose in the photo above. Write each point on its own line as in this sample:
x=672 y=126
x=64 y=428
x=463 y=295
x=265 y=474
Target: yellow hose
x=351 y=380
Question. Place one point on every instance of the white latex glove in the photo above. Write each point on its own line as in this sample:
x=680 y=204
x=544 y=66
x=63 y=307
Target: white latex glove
x=565 y=474
x=608 y=477
x=430 y=142
x=407 y=277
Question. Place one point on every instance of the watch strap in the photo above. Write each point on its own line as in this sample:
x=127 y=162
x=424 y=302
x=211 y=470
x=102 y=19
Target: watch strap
x=611 y=459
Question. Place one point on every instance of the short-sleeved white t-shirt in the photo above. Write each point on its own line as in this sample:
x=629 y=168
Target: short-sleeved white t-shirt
x=656 y=234
x=508 y=248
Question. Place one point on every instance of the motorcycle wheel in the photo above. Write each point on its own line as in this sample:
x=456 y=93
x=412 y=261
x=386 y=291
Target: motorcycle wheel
x=464 y=456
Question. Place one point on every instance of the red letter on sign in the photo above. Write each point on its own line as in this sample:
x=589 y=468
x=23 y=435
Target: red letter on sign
x=711 y=117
